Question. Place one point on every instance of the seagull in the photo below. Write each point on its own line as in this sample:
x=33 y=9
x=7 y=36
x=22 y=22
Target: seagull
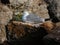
x=32 y=18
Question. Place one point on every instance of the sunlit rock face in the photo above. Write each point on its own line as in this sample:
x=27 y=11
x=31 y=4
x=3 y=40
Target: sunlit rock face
x=5 y=17
x=54 y=9
x=38 y=7
x=2 y=34
x=17 y=2
x=5 y=14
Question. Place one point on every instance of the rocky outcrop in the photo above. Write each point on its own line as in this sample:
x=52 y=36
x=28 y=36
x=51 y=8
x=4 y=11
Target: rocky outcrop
x=53 y=8
x=24 y=33
x=17 y=2
x=49 y=26
x=29 y=34
x=38 y=7
x=54 y=37
x=5 y=14
x=5 y=17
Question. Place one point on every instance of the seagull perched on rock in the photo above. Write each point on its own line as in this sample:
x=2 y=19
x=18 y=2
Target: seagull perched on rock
x=32 y=18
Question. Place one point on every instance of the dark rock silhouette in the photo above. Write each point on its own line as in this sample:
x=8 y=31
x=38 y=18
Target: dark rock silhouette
x=19 y=33
x=53 y=9
x=5 y=1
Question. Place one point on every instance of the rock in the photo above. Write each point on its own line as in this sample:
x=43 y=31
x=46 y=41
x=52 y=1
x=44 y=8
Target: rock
x=38 y=7
x=5 y=17
x=5 y=14
x=24 y=33
x=54 y=9
x=5 y=1
x=53 y=38
x=2 y=34
x=17 y=3
x=49 y=26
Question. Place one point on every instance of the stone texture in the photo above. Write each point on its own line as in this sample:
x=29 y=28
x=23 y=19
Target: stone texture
x=38 y=7
x=17 y=1
x=54 y=9
x=2 y=34
x=5 y=17
x=24 y=33
x=49 y=26
x=5 y=14
x=53 y=38
x=5 y=1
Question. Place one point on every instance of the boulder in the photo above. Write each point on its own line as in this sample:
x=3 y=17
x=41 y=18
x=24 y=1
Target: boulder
x=54 y=9
x=49 y=26
x=39 y=7
x=24 y=33
x=53 y=38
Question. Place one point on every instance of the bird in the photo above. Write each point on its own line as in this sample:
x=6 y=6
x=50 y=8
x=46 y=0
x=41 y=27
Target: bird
x=30 y=17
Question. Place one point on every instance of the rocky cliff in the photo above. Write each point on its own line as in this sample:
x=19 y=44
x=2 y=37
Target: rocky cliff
x=17 y=32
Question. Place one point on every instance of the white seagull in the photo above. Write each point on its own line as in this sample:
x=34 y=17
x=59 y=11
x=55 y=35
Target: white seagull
x=32 y=18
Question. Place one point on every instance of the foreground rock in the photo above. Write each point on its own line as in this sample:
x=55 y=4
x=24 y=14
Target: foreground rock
x=24 y=33
x=54 y=37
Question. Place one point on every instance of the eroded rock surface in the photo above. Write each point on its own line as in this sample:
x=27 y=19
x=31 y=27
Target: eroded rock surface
x=24 y=33
x=5 y=17
x=53 y=38
x=38 y=7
